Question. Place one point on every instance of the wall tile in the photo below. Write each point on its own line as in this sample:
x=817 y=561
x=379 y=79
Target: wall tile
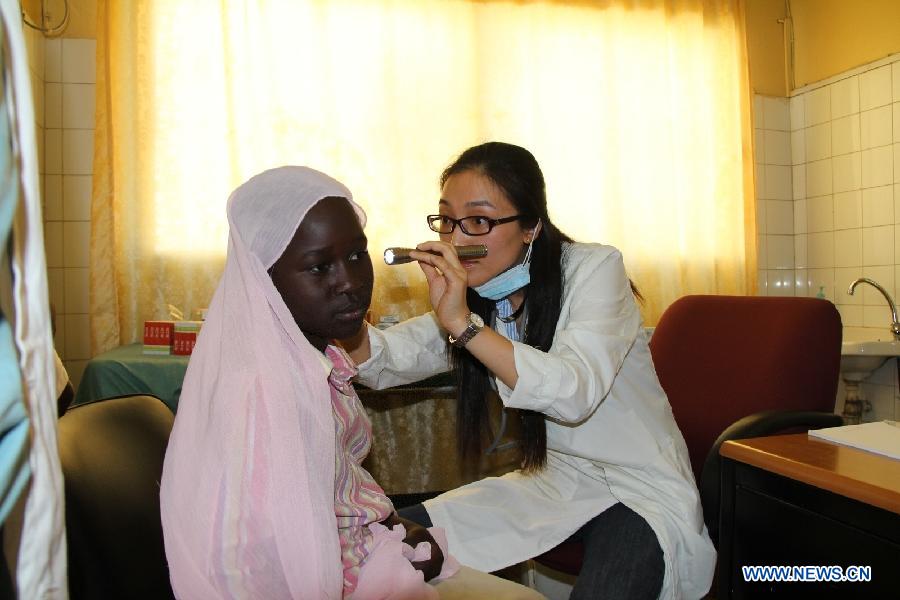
x=801 y=255
x=818 y=178
x=78 y=342
x=797 y=107
x=818 y=142
x=761 y=215
x=798 y=181
x=896 y=121
x=820 y=214
x=878 y=245
x=778 y=182
x=821 y=251
x=76 y=282
x=877 y=166
x=778 y=147
x=897 y=202
x=801 y=283
x=53 y=243
x=77 y=151
x=78 y=105
x=762 y=250
x=777 y=113
x=851 y=316
x=780 y=215
x=896 y=153
x=842 y=279
x=800 y=216
x=895 y=79
x=759 y=114
x=77 y=197
x=848 y=248
x=821 y=279
x=875 y=127
x=53 y=59
x=41 y=148
x=780 y=283
x=53 y=151
x=847 y=174
x=844 y=97
x=780 y=252
x=878 y=206
x=884 y=275
x=38 y=98
x=53 y=105
x=798 y=146
x=761 y=285
x=77 y=243
x=78 y=60
x=848 y=210
x=845 y=135
x=56 y=289
x=53 y=198
x=875 y=88
x=818 y=106
x=878 y=317
x=759 y=146
x=897 y=246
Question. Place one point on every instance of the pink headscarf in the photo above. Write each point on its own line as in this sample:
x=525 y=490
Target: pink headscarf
x=247 y=492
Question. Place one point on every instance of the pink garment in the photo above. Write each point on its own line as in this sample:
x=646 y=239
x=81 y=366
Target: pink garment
x=247 y=492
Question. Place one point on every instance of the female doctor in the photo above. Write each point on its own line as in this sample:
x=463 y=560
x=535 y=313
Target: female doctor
x=553 y=326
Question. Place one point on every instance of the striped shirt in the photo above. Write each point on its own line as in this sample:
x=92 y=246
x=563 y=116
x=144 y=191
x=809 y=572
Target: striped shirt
x=358 y=499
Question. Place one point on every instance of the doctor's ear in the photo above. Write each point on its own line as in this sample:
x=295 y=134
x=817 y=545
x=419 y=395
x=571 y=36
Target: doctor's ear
x=532 y=234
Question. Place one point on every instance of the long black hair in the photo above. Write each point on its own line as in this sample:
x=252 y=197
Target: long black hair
x=516 y=172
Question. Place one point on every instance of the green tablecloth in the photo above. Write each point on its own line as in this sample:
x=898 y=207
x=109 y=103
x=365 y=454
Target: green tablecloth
x=127 y=370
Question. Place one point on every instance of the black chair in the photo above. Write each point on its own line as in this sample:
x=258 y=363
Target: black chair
x=112 y=455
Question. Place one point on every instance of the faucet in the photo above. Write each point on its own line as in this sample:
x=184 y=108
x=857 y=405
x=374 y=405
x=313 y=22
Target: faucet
x=895 y=325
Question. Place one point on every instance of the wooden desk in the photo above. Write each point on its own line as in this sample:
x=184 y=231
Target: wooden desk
x=793 y=500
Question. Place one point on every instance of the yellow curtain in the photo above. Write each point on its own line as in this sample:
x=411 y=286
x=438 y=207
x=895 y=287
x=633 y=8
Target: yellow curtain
x=637 y=111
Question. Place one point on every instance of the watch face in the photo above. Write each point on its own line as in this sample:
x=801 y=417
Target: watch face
x=476 y=319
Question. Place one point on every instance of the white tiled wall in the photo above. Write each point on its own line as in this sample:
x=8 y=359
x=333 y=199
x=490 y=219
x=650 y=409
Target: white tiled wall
x=838 y=145
x=68 y=117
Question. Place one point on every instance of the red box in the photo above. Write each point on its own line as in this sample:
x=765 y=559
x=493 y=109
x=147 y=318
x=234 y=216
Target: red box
x=159 y=333
x=183 y=342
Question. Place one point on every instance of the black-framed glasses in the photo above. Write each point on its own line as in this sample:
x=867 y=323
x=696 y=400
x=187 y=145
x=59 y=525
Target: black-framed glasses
x=469 y=225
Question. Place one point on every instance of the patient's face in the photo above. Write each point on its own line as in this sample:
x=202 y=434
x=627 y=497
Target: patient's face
x=325 y=274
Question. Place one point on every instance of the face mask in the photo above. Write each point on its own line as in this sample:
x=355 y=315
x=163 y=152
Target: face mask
x=509 y=281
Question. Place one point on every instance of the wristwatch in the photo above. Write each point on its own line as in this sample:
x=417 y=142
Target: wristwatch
x=476 y=324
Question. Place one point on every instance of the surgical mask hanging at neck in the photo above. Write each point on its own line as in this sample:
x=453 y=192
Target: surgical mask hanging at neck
x=511 y=280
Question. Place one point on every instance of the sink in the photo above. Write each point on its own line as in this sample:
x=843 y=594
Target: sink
x=860 y=359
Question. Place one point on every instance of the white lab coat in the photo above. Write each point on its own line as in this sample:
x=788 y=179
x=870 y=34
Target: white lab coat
x=611 y=435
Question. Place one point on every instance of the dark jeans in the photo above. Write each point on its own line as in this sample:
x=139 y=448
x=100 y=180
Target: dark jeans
x=622 y=557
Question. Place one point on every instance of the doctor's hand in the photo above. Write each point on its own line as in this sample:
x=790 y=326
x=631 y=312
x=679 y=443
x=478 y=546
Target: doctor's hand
x=447 y=284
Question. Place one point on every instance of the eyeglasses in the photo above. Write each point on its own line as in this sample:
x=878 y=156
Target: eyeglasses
x=469 y=225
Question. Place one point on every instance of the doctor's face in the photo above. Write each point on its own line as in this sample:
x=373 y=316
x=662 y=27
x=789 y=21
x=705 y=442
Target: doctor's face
x=472 y=194
x=325 y=273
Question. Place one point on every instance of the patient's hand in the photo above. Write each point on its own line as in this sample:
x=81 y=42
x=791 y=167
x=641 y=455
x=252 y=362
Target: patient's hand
x=416 y=534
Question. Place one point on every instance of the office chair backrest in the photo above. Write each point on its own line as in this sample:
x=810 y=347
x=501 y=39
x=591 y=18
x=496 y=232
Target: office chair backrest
x=112 y=455
x=721 y=358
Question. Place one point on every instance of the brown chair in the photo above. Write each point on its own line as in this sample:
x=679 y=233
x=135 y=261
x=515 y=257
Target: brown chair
x=738 y=367
x=112 y=457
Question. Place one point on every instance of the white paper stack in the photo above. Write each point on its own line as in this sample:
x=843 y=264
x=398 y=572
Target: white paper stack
x=880 y=437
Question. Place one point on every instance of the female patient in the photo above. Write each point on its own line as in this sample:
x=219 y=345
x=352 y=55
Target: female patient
x=263 y=494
